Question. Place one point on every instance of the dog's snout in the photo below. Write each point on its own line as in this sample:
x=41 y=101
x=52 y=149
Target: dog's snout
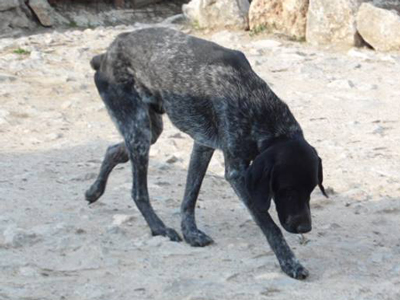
x=303 y=228
x=298 y=224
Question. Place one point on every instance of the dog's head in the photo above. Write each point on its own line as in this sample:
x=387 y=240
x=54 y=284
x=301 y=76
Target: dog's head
x=287 y=171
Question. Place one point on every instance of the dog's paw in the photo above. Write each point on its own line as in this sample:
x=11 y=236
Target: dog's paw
x=197 y=238
x=296 y=271
x=95 y=191
x=168 y=232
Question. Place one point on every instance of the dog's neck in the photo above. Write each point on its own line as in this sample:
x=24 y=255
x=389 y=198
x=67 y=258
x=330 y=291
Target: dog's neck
x=264 y=144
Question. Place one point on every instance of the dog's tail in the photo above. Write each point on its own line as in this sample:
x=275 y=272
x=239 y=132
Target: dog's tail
x=96 y=61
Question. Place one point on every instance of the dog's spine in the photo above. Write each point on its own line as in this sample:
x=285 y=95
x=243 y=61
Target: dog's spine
x=95 y=63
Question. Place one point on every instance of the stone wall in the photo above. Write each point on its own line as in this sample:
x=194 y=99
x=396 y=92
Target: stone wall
x=340 y=23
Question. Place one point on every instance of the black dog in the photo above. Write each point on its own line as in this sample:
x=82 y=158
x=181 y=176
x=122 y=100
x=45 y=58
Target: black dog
x=212 y=94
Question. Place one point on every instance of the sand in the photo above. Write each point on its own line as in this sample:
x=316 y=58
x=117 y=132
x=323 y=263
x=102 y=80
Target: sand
x=54 y=131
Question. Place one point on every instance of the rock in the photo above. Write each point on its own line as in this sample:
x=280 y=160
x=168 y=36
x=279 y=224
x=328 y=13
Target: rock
x=28 y=272
x=66 y=104
x=13 y=19
x=118 y=220
x=46 y=14
x=217 y=13
x=173 y=159
x=341 y=84
x=333 y=22
x=225 y=38
x=8 y=4
x=7 y=78
x=3 y=116
x=282 y=16
x=176 y=19
x=265 y=44
x=115 y=230
x=36 y=55
x=54 y=136
x=17 y=237
x=379 y=27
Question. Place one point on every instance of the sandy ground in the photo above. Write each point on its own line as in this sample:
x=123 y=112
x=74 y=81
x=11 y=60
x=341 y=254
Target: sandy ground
x=54 y=131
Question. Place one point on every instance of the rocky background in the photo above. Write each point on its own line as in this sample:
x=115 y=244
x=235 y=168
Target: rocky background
x=19 y=17
x=339 y=23
x=54 y=131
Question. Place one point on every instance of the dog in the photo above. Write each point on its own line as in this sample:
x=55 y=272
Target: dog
x=212 y=94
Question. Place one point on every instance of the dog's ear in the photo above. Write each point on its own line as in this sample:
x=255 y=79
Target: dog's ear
x=320 y=174
x=321 y=178
x=258 y=183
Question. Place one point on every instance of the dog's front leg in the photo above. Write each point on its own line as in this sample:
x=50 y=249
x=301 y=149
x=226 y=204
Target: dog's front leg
x=235 y=174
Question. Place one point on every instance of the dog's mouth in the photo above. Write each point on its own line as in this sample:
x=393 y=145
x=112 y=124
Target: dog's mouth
x=303 y=228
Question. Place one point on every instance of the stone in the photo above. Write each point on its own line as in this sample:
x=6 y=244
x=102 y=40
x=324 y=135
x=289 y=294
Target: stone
x=46 y=14
x=379 y=27
x=17 y=237
x=118 y=220
x=176 y=19
x=213 y=14
x=13 y=19
x=341 y=84
x=54 y=136
x=36 y=55
x=265 y=44
x=7 y=78
x=333 y=22
x=282 y=16
x=8 y=4
x=225 y=38
x=173 y=159
x=3 y=116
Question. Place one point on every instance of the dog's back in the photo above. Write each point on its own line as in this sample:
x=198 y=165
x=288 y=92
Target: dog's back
x=208 y=91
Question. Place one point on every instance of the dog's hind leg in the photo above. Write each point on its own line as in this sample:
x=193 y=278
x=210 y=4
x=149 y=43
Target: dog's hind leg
x=199 y=161
x=132 y=117
x=117 y=154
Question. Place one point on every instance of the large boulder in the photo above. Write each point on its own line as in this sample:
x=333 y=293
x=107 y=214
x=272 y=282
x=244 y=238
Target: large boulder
x=8 y=4
x=217 y=13
x=46 y=14
x=283 y=16
x=379 y=27
x=333 y=22
x=14 y=15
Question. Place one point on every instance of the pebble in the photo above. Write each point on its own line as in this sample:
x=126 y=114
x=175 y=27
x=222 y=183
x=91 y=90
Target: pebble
x=395 y=270
x=157 y=241
x=360 y=209
x=341 y=84
x=173 y=159
x=66 y=104
x=359 y=54
x=54 y=136
x=119 y=220
x=17 y=237
x=7 y=78
x=225 y=38
x=262 y=44
x=114 y=229
x=3 y=116
x=36 y=55
x=28 y=272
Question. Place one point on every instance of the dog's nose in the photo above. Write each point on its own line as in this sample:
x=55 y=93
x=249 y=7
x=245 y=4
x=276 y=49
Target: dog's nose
x=298 y=224
x=303 y=228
